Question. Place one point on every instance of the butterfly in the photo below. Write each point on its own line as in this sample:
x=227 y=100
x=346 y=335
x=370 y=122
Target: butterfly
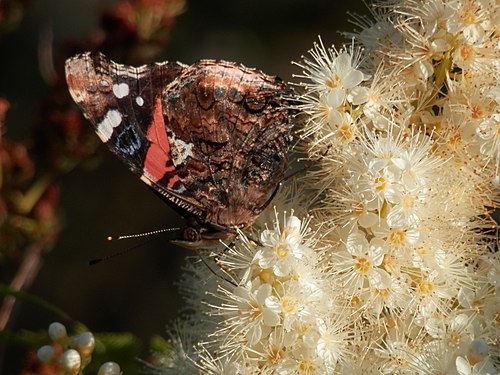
x=211 y=139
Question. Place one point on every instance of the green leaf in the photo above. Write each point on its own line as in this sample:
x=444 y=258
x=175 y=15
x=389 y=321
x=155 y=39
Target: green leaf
x=25 y=338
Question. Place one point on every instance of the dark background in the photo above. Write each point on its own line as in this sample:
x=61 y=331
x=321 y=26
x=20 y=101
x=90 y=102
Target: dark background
x=136 y=292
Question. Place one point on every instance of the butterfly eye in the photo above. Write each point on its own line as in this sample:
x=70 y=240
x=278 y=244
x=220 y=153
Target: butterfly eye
x=191 y=234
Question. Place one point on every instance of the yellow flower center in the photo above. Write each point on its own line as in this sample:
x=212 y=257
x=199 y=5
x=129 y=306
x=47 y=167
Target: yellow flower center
x=358 y=209
x=389 y=263
x=334 y=82
x=396 y=237
x=275 y=354
x=422 y=251
x=300 y=328
x=401 y=362
x=380 y=183
x=455 y=140
x=476 y=111
x=466 y=52
x=363 y=265
x=468 y=14
x=407 y=201
x=346 y=132
x=425 y=288
x=306 y=367
x=382 y=292
x=281 y=251
x=255 y=311
x=288 y=305
x=267 y=276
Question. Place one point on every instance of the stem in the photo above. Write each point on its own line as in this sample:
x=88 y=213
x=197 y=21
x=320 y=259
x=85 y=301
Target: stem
x=22 y=280
x=32 y=196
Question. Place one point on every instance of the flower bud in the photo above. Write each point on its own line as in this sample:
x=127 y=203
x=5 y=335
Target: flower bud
x=47 y=354
x=85 y=343
x=293 y=225
x=71 y=361
x=109 y=368
x=57 y=332
x=478 y=350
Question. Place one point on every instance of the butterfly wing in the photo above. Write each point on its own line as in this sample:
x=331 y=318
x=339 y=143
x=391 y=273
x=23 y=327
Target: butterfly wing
x=230 y=127
x=211 y=138
x=123 y=103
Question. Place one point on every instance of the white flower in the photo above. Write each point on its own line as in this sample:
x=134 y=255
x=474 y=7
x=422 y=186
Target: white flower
x=432 y=292
x=395 y=296
x=360 y=261
x=291 y=303
x=331 y=341
x=468 y=16
x=304 y=361
x=252 y=307
x=282 y=249
x=330 y=69
x=456 y=331
x=484 y=367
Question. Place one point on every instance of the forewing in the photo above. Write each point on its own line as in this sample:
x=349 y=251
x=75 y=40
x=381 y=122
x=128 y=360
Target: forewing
x=123 y=103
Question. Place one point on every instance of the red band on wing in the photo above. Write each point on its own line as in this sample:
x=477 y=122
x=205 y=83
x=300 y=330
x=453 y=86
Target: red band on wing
x=157 y=159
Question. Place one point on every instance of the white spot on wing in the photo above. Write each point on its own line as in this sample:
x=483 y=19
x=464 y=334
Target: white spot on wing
x=139 y=100
x=120 y=90
x=105 y=128
x=180 y=150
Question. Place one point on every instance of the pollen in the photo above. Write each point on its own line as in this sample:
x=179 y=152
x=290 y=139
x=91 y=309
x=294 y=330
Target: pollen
x=407 y=201
x=476 y=111
x=347 y=132
x=275 y=355
x=288 y=305
x=380 y=183
x=281 y=251
x=425 y=288
x=306 y=367
x=466 y=52
x=363 y=265
x=256 y=311
x=334 y=82
x=467 y=14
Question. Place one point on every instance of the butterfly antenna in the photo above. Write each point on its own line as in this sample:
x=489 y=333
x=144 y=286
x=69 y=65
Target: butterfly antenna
x=145 y=234
x=99 y=260
x=123 y=237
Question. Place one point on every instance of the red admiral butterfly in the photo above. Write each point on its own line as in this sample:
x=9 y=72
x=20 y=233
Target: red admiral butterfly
x=211 y=138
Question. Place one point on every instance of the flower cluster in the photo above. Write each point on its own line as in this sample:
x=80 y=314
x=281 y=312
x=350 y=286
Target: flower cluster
x=72 y=354
x=398 y=273
x=271 y=309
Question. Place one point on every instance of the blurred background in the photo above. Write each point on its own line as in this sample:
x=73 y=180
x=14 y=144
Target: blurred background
x=86 y=194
